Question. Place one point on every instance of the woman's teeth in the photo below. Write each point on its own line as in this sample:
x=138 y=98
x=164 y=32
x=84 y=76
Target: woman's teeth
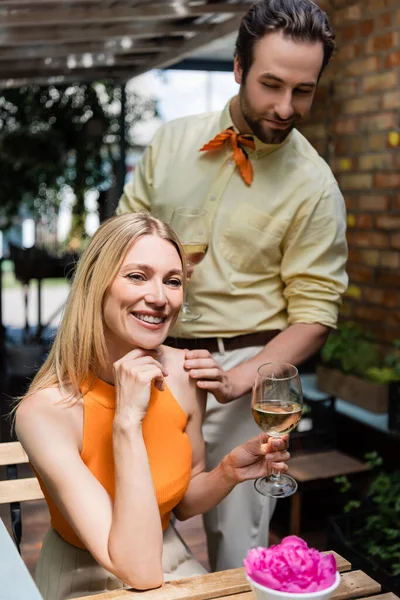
x=149 y=318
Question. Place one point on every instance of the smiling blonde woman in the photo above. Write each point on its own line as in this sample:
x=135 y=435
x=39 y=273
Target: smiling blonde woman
x=112 y=423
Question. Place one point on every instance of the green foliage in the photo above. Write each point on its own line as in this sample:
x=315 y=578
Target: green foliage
x=379 y=537
x=351 y=350
x=53 y=137
x=354 y=351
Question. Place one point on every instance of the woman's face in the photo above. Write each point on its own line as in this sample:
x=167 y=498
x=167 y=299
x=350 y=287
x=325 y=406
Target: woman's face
x=144 y=300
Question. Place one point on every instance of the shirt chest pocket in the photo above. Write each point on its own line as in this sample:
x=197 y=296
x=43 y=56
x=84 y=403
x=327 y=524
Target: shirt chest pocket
x=251 y=241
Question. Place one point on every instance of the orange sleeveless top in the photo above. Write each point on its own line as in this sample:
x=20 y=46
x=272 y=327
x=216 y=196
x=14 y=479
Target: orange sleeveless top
x=168 y=448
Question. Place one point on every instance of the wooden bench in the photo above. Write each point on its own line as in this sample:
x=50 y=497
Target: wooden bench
x=309 y=468
x=13 y=490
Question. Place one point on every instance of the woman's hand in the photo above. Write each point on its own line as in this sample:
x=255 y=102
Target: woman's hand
x=257 y=457
x=133 y=376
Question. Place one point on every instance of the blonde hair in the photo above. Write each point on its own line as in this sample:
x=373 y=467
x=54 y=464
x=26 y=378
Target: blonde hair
x=79 y=350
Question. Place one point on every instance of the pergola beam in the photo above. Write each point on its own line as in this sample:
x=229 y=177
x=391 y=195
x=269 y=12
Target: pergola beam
x=188 y=47
x=118 y=73
x=45 y=51
x=48 y=40
x=151 y=12
x=55 y=36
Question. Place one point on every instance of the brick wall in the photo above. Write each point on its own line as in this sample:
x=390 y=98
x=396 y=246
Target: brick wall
x=354 y=126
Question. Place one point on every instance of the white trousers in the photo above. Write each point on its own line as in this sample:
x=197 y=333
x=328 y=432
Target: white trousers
x=64 y=571
x=241 y=521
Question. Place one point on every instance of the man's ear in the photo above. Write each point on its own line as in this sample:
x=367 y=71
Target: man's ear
x=238 y=71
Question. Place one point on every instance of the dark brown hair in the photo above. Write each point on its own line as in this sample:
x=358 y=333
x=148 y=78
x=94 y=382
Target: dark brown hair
x=301 y=20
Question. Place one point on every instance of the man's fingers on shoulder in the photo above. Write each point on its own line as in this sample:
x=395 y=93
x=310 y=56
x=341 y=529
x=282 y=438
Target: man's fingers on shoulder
x=190 y=354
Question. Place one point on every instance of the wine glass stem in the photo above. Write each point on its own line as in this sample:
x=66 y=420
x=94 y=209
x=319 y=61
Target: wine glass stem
x=186 y=298
x=275 y=474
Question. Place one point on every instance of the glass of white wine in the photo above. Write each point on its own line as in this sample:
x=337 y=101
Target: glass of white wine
x=277 y=403
x=191 y=225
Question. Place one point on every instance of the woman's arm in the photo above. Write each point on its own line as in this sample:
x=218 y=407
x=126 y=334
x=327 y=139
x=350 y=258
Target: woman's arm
x=253 y=459
x=125 y=537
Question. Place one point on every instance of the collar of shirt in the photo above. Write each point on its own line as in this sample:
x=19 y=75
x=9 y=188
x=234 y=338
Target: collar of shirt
x=261 y=149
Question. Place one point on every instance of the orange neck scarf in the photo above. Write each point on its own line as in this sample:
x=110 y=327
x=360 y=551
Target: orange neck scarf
x=239 y=155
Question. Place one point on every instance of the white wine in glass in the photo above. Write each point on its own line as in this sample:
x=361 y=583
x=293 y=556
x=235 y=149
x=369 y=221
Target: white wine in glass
x=191 y=225
x=277 y=404
x=195 y=252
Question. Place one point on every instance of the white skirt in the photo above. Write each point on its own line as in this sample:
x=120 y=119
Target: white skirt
x=64 y=571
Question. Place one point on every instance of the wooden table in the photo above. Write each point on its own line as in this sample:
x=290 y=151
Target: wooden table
x=233 y=585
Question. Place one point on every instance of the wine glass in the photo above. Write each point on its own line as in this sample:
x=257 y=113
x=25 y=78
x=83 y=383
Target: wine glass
x=277 y=402
x=191 y=225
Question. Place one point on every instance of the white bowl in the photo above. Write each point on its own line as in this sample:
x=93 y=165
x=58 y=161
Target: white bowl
x=264 y=593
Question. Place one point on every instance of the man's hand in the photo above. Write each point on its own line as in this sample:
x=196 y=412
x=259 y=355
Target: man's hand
x=209 y=375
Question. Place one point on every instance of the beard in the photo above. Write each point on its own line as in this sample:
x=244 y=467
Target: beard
x=258 y=124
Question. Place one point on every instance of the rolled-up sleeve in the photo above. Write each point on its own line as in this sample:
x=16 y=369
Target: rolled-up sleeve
x=314 y=260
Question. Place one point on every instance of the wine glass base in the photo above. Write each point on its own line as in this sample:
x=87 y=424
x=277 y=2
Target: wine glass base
x=276 y=488
x=186 y=315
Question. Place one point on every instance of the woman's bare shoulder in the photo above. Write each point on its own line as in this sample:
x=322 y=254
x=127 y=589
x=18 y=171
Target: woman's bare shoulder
x=180 y=383
x=43 y=404
x=172 y=358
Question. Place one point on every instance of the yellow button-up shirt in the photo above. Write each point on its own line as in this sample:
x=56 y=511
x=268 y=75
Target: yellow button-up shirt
x=277 y=248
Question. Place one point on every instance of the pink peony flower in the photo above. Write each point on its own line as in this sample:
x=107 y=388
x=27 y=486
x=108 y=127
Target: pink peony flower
x=291 y=566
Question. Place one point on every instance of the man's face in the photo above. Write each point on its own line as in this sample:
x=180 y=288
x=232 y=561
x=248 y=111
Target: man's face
x=280 y=85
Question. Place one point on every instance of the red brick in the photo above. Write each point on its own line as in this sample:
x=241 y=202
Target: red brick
x=364 y=104
x=370 y=257
x=366 y=27
x=376 y=162
x=392 y=59
x=390 y=260
x=387 y=180
x=382 y=297
x=356 y=181
x=363 y=221
x=391 y=99
x=386 y=41
x=388 y=222
x=361 y=144
x=368 y=239
x=350 y=32
x=346 y=88
x=345 y=126
x=348 y=52
x=370 y=313
x=385 y=20
x=395 y=240
x=379 y=81
x=375 y=141
x=364 y=65
x=349 y=13
x=396 y=203
x=351 y=200
x=359 y=274
x=386 y=334
x=376 y=5
x=377 y=122
x=393 y=319
x=387 y=278
x=374 y=203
